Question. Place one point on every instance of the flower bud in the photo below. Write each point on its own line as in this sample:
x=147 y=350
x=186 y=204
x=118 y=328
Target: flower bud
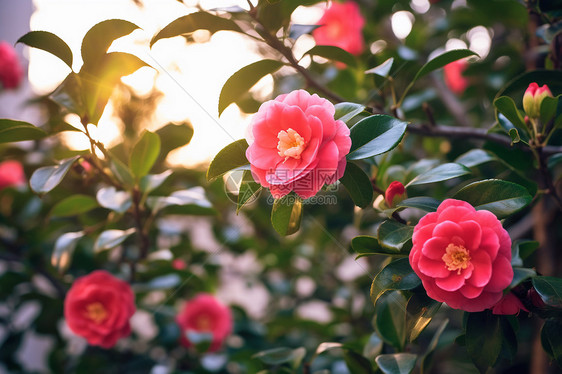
x=508 y=305
x=533 y=97
x=11 y=73
x=394 y=194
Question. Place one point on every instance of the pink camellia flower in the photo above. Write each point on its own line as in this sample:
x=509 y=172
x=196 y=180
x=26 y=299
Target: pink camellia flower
x=533 y=97
x=296 y=145
x=11 y=174
x=11 y=72
x=341 y=26
x=509 y=305
x=394 y=193
x=462 y=256
x=454 y=78
x=202 y=314
x=98 y=307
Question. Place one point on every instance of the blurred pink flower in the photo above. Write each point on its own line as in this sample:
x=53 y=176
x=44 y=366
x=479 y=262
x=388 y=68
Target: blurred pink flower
x=11 y=72
x=205 y=313
x=98 y=307
x=11 y=174
x=179 y=264
x=509 y=305
x=462 y=256
x=296 y=145
x=394 y=193
x=341 y=26
x=454 y=79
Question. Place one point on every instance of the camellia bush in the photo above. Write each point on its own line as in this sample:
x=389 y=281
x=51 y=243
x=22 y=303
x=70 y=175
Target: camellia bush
x=436 y=169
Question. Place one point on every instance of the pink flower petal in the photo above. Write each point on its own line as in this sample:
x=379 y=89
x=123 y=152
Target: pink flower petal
x=490 y=243
x=455 y=213
x=327 y=119
x=469 y=291
x=448 y=229
x=453 y=202
x=435 y=247
x=482 y=269
x=472 y=234
x=452 y=283
x=433 y=268
x=501 y=276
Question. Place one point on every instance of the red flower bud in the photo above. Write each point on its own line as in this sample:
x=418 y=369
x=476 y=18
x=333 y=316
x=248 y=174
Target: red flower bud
x=11 y=174
x=11 y=72
x=394 y=194
x=454 y=78
x=533 y=97
x=509 y=305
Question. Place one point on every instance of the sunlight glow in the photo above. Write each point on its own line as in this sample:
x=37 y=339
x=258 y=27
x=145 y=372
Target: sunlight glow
x=402 y=23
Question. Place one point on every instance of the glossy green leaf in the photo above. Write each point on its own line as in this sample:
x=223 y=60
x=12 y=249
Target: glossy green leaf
x=548 y=109
x=395 y=235
x=425 y=203
x=74 y=205
x=475 y=157
x=99 y=80
x=483 y=339
x=173 y=136
x=248 y=190
x=333 y=53
x=420 y=310
x=397 y=363
x=151 y=182
x=553 y=78
x=551 y=339
x=375 y=135
x=521 y=274
x=366 y=245
x=398 y=275
x=499 y=197
x=64 y=249
x=521 y=249
x=383 y=69
x=550 y=290
x=16 y=131
x=111 y=238
x=346 y=111
x=514 y=133
x=48 y=42
x=358 y=185
x=390 y=321
x=121 y=171
x=286 y=214
x=428 y=355
x=244 y=79
x=144 y=154
x=69 y=94
x=230 y=157
x=440 y=173
x=193 y=22
x=373 y=347
x=356 y=363
x=98 y=39
x=278 y=356
x=110 y=198
x=507 y=107
x=46 y=178
x=194 y=196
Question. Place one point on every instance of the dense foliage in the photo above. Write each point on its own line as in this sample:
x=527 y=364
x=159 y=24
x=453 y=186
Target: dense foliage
x=437 y=169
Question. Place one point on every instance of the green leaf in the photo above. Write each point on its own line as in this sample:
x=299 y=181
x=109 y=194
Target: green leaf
x=46 y=178
x=173 y=136
x=64 y=249
x=366 y=245
x=121 y=171
x=373 y=347
x=111 y=238
x=390 y=321
x=230 y=157
x=17 y=131
x=278 y=356
x=398 y=275
x=333 y=53
x=99 y=80
x=551 y=339
x=499 y=197
x=483 y=339
x=193 y=22
x=358 y=184
x=521 y=274
x=440 y=173
x=98 y=39
x=383 y=69
x=375 y=135
x=548 y=108
x=394 y=235
x=48 y=42
x=69 y=94
x=514 y=133
x=540 y=76
x=356 y=363
x=248 y=190
x=194 y=196
x=428 y=356
x=550 y=290
x=151 y=182
x=437 y=63
x=521 y=249
x=144 y=154
x=74 y=205
x=420 y=310
x=346 y=111
x=244 y=79
x=425 y=203
x=110 y=198
x=397 y=363
x=286 y=214
x=506 y=106
x=475 y=157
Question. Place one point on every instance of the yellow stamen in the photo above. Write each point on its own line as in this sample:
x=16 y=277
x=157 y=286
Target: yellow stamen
x=456 y=257
x=96 y=312
x=291 y=144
